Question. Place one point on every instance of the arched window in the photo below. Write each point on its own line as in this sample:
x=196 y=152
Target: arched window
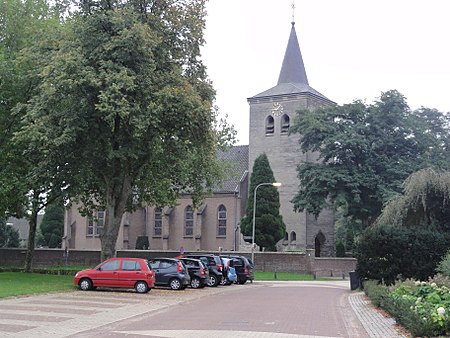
x=221 y=221
x=270 y=125
x=158 y=222
x=293 y=236
x=188 y=221
x=285 y=123
x=286 y=236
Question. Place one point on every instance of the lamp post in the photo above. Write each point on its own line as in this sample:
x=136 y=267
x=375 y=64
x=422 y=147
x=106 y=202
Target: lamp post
x=275 y=184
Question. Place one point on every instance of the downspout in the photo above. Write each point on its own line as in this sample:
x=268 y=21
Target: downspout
x=236 y=195
x=145 y=222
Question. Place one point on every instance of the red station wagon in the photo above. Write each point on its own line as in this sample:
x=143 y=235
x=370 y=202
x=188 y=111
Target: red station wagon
x=125 y=273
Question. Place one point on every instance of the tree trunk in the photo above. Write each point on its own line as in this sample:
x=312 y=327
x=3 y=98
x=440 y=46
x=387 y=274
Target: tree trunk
x=115 y=208
x=31 y=239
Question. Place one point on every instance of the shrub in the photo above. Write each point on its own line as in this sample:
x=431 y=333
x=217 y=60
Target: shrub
x=423 y=308
x=340 y=250
x=376 y=291
x=444 y=265
x=440 y=280
x=387 y=253
x=142 y=243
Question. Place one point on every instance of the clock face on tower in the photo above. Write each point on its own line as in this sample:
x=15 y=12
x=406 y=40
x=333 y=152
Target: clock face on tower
x=277 y=109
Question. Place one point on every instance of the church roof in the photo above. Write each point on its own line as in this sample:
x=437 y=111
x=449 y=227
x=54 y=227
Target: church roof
x=236 y=161
x=293 y=78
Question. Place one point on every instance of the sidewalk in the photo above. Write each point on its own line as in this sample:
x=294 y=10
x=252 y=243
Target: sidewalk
x=373 y=321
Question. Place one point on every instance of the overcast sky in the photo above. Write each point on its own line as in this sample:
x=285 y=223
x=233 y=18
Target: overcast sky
x=352 y=49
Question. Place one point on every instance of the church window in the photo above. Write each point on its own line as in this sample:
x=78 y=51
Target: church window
x=285 y=123
x=158 y=222
x=222 y=221
x=286 y=237
x=270 y=125
x=188 y=221
x=293 y=236
x=96 y=224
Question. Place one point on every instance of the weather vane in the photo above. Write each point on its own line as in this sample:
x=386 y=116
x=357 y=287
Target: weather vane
x=293 y=11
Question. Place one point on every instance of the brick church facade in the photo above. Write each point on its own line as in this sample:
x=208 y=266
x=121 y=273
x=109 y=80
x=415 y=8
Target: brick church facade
x=215 y=224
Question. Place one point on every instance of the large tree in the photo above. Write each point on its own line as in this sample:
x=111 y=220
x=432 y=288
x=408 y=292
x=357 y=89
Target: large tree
x=366 y=151
x=123 y=112
x=269 y=225
x=24 y=187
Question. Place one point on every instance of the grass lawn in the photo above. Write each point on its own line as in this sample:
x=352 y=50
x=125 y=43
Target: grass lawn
x=285 y=276
x=21 y=283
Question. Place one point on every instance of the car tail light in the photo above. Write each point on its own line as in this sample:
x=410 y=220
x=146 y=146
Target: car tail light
x=219 y=267
x=180 y=267
x=245 y=270
x=202 y=272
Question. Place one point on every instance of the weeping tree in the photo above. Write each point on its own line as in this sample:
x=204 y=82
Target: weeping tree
x=123 y=109
x=412 y=233
x=425 y=201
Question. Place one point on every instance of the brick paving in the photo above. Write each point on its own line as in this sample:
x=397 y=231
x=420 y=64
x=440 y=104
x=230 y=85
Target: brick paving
x=261 y=309
x=374 y=322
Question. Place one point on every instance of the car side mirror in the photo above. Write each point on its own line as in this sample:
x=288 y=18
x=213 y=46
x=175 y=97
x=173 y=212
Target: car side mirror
x=99 y=268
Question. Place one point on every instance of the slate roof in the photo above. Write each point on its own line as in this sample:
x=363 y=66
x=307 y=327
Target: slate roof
x=236 y=160
x=293 y=78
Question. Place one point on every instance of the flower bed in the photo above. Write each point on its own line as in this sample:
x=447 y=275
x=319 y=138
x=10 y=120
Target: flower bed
x=422 y=307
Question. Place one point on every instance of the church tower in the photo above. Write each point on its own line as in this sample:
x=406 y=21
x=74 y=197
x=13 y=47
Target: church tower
x=271 y=115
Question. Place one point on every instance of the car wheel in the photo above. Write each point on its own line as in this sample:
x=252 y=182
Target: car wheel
x=175 y=284
x=85 y=284
x=141 y=287
x=213 y=281
x=242 y=281
x=196 y=283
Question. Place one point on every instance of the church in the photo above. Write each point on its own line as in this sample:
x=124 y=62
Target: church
x=214 y=225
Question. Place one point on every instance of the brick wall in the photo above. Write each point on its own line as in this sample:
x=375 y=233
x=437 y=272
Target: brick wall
x=264 y=261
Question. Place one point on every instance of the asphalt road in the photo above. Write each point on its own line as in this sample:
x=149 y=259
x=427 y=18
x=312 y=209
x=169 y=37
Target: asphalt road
x=299 y=309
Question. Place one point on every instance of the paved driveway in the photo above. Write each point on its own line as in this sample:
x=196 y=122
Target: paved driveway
x=299 y=309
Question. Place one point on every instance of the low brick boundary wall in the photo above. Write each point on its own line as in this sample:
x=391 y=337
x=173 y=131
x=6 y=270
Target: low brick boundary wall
x=294 y=262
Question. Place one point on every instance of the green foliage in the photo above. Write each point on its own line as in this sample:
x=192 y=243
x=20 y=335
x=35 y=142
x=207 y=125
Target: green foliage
x=52 y=225
x=340 y=249
x=376 y=291
x=422 y=307
x=365 y=153
x=142 y=243
x=9 y=237
x=269 y=225
x=425 y=200
x=444 y=265
x=29 y=32
x=386 y=253
x=123 y=110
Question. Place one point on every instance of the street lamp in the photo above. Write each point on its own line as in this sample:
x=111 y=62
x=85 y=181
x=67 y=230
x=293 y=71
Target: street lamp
x=275 y=184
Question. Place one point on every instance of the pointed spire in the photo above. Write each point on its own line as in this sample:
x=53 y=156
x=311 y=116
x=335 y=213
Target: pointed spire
x=293 y=69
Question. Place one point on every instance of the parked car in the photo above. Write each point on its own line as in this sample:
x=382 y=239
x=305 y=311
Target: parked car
x=229 y=272
x=170 y=272
x=198 y=271
x=244 y=268
x=126 y=273
x=214 y=266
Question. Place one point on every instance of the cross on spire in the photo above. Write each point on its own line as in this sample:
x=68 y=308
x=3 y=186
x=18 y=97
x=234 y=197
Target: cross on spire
x=293 y=11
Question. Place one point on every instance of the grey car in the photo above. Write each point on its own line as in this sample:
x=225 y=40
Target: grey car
x=170 y=272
